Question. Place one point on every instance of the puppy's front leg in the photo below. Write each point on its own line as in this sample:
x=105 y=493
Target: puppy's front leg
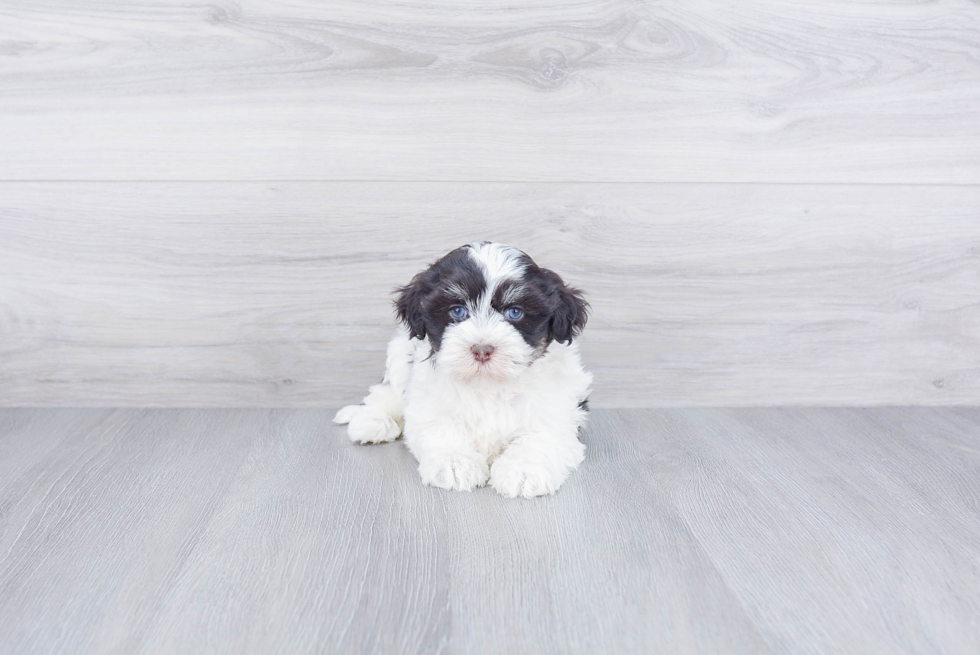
x=536 y=464
x=379 y=416
x=446 y=463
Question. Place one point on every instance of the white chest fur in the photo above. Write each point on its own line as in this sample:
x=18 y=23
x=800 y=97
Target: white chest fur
x=486 y=415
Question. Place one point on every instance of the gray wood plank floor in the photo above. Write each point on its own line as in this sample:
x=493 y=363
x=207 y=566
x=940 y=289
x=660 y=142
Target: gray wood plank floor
x=685 y=531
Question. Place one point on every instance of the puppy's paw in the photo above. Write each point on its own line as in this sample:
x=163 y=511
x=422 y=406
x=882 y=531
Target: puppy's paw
x=526 y=474
x=512 y=478
x=459 y=471
x=535 y=465
x=344 y=416
x=367 y=424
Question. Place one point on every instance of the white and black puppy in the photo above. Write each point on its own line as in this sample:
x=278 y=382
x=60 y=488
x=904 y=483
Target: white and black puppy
x=484 y=380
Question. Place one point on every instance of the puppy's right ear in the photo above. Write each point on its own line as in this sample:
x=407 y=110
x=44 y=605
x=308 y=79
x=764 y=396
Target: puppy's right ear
x=408 y=304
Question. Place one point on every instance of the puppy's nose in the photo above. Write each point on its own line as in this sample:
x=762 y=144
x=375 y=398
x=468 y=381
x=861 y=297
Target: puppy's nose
x=482 y=352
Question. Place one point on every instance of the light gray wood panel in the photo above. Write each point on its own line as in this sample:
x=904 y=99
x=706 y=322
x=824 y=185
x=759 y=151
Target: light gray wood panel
x=93 y=532
x=684 y=531
x=317 y=547
x=607 y=565
x=608 y=90
x=816 y=507
x=277 y=294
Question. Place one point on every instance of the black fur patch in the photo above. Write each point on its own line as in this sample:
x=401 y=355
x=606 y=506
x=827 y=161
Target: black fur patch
x=584 y=404
x=538 y=308
x=423 y=304
x=552 y=311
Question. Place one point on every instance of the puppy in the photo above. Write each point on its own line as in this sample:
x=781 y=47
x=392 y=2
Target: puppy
x=483 y=379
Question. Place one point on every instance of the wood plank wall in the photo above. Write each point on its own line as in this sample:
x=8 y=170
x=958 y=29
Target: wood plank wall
x=768 y=203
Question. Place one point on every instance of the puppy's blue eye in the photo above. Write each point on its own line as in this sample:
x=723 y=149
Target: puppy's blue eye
x=458 y=312
x=514 y=313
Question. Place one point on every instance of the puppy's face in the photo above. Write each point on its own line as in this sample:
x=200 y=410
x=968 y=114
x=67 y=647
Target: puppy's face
x=489 y=311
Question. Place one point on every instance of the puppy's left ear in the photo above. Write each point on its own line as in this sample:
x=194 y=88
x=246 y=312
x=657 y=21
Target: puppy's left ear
x=570 y=315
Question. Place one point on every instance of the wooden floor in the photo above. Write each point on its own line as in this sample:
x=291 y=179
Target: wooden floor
x=685 y=531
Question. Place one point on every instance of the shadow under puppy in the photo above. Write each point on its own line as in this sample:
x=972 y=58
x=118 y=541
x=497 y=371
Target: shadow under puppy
x=483 y=379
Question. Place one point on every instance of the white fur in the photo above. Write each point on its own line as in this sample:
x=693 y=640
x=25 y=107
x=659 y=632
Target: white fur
x=499 y=263
x=520 y=434
x=512 y=422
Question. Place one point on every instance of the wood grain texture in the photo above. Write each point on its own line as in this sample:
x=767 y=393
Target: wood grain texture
x=277 y=294
x=684 y=531
x=93 y=530
x=608 y=90
x=888 y=501
x=606 y=566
